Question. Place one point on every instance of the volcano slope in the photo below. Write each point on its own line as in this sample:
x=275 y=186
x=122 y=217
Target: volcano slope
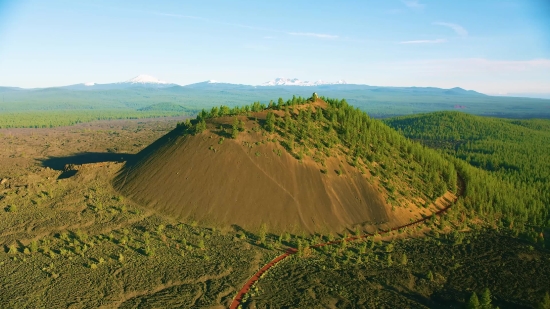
x=315 y=165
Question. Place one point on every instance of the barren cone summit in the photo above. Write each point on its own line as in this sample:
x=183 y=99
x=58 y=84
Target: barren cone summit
x=312 y=165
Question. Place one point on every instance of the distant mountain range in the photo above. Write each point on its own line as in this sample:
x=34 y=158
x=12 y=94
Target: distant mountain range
x=145 y=92
x=147 y=81
x=138 y=81
x=296 y=82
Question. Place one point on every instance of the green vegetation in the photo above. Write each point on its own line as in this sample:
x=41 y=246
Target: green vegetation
x=487 y=269
x=53 y=118
x=166 y=107
x=511 y=181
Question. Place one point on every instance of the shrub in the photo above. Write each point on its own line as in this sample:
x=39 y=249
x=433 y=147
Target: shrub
x=12 y=249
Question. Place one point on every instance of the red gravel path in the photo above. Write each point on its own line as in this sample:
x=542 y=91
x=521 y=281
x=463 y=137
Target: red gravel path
x=237 y=300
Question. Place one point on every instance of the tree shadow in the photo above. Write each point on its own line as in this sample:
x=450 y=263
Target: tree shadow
x=60 y=163
x=63 y=163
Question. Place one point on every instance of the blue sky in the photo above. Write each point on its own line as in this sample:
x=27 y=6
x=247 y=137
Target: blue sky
x=485 y=45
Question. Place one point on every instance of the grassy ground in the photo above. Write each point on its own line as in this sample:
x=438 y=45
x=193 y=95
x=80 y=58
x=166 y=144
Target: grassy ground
x=436 y=271
x=75 y=243
x=55 y=118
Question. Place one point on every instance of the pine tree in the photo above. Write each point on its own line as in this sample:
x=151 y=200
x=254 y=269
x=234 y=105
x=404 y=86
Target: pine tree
x=242 y=126
x=270 y=122
x=473 y=303
x=200 y=126
x=545 y=303
x=12 y=249
x=146 y=238
x=404 y=260
x=263 y=232
x=34 y=246
x=430 y=277
x=343 y=244
x=485 y=300
x=235 y=128
x=280 y=103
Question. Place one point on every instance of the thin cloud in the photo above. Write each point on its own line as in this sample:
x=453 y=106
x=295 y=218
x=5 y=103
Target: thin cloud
x=179 y=16
x=311 y=34
x=456 y=28
x=473 y=65
x=424 y=41
x=316 y=35
x=414 y=4
x=215 y=21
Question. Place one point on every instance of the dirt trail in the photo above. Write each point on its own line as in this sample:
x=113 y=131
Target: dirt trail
x=238 y=298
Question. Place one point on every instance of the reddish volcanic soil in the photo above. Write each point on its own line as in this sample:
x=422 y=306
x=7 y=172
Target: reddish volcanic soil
x=249 y=181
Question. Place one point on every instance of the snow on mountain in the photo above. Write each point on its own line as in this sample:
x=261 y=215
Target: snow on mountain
x=145 y=79
x=296 y=82
x=89 y=84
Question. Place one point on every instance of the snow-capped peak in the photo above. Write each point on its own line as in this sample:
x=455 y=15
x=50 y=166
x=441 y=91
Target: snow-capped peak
x=145 y=79
x=89 y=84
x=212 y=81
x=296 y=82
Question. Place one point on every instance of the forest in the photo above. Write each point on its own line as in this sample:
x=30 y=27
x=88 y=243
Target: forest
x=53 y=118
x=506 y=162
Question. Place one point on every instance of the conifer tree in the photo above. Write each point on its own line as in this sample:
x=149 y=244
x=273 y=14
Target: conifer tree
x=280 y=103
x=270 y=122
x=430 y=277
x=242 y=126
x=404 y=260
x=300 y=248
x=545 y=303
x=34 y=246
x=12 y=249
x=200 y=126
x=485 y=300
x=473 y=303
x=263 y=232
x=235 y=128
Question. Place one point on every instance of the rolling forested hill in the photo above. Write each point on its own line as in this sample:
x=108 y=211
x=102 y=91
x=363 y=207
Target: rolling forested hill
x=508 y=161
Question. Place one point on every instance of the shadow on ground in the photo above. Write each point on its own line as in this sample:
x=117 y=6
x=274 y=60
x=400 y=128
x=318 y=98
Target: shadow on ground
x=59 y=163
